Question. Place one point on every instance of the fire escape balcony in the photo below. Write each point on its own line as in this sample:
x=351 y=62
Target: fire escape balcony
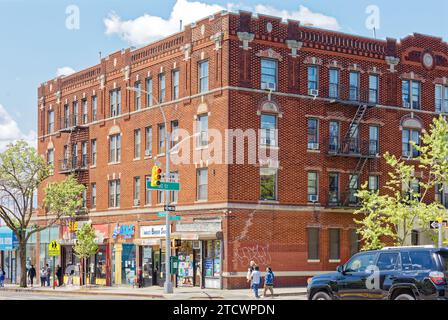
x=70 y=123
x=73 y=164
x=355 y=96
x=354 y=147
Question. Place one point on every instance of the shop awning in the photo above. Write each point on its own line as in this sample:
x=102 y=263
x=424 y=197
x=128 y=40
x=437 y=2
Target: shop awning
x=8 y=239
x=195 y=235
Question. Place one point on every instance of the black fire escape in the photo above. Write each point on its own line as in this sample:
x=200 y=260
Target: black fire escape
x=364 y=151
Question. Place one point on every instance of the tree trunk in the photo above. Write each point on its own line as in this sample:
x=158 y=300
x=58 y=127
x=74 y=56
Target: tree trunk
x=22 y=263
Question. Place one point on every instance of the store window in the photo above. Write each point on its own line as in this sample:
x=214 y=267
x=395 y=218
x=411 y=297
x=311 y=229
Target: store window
x=212 y=258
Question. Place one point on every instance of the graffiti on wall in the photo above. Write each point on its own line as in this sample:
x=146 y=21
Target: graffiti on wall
x=258 y=253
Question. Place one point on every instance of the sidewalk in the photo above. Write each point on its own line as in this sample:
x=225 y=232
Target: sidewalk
x=154 y=292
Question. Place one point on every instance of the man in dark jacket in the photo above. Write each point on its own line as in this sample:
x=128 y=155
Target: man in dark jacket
x=32 y=274
x=59 y=275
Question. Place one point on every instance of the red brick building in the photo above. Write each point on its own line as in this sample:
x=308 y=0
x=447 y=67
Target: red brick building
x=329 y=104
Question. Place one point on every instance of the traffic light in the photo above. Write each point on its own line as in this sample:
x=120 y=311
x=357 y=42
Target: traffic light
x=156 y=175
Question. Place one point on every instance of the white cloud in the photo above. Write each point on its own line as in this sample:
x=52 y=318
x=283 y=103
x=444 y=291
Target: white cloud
x=64 y=71
x=10 y=131
x=147 y=28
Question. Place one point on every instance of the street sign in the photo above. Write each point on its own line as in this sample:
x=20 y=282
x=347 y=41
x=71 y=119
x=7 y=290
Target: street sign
x=161 y=214
x=172 y=218
x=169 y=208
x=54 y=249
x=171 y=186
x=435 y=224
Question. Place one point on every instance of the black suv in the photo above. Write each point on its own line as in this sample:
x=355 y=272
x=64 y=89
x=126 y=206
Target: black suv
x=395 y=273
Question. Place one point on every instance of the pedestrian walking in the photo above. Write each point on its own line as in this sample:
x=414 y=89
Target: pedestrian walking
x=2 y=278
x=48 y=269
x=32 y=274
x=251 y=268
x=43 y=276
x=256 y=279
x=269 y=282
x=59 y=275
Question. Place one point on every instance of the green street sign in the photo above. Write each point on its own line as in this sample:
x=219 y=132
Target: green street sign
x=161 y=214
x=172 y=218
x=171 y=186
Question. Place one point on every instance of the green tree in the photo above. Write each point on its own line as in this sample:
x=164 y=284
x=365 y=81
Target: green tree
x=85 y=245
x=405 y=203
x=22 y=170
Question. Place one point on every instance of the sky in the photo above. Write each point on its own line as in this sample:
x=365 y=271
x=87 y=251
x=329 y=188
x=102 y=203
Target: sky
x=42 y=39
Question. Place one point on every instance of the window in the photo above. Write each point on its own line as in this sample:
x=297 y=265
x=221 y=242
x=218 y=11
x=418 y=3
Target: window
x=50 y=156
x=136 y=191
x=162 y=87
x=373 y=88
x=334 y=83
x=312 y=78
x=160 y=197
x=138 y=95
x=411 y=94
x=148 y=141
x=373 y=183
x=174 y=133
x=354 y=139
x=75 y=113
x=360 y=262
x=93 y=145
x=85 y=111
x=84 y=198
x=137 y=143
x=149 y=96
x=175 y=81
x=50 y=121
x=441 y=98
x=353 y=188
x=148 y=192
x=268 y=73
x=161 y=136
x=203 y=130
x=415 y=238
x=417 y=261
x=114 y=193
x=387 y=261
x=202 y=183
x=354 y=241
x=354 y=86
x=66 y=116
x=313 y=134
x=115 y=148
x=334 y=136
x=174 y=195
x=335 y=244
x=203 y=76
x=312 y=185
x=409 y=135
x=313 y=244
x=441 y=193
x=268 y=130
x=93 y=204
x=413 y=189
x=115 y=100
x=84 y=154
x=268 y=182
x=333 y=187
x=373 y=140
x=94 y=108
x=74 y=155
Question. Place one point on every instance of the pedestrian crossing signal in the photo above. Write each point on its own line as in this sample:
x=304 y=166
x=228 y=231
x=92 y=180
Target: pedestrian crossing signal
x=156 y=176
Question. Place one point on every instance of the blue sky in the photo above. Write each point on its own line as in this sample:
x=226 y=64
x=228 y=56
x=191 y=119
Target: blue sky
x=35 y=41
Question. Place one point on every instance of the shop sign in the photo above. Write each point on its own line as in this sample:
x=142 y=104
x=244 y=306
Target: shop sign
x=8 y=239
x=152 y=231
x=127 y=231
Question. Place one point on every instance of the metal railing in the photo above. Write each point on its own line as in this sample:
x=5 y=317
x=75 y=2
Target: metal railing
x=353 y=95
x=353 y=147
x=70 y=121
x=73 y=164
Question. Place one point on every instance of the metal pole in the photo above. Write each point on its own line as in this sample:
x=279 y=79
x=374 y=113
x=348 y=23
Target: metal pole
x=440 y=234
x=54 y=261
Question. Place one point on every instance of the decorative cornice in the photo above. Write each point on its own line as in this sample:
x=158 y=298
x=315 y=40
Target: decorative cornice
x=270 y=53
x=313 y=60
x=246 y=38
x=217 y=38
x=186 y=49
x=295 y=46
x=392 y=62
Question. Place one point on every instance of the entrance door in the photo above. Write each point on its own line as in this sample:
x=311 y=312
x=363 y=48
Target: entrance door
x=158 y=268
x=146 y=266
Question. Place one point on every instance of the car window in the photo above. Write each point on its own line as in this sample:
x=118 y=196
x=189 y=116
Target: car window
x=444 y=257
x=387 y=261
x=416 y=260
x=360 y=262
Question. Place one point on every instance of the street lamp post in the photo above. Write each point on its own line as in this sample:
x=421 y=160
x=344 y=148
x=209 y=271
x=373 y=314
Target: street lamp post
x=168 y=286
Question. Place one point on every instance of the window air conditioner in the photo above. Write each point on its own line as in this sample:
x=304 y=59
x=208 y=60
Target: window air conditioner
x=268 y=86
x=136 y=202
x=313 y=92
x=313 y=198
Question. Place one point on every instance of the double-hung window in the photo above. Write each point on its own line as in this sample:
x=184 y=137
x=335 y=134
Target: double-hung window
x=161 y=137
x=94 y=108
x=93 y=195
x=75 y=113
x=115 y=100
x=93 y=150
x=115 y=148
x=373 y=140
x=268 y=183
x=373 y=88
x=175 y=82
x=85 y=111
x=313 y=134
x=137 y=143
x=84 y=155
x=138 y=95
x=333 y=188
x=148 y=141
x=202 y=124
x=136 y=191
x=268 y=130
x=114 y=193
x=313 y=79
x=334 y=136
x=268 y=74
x=202 y=183
x=149 y=96
x=441 y=98
x=50 y=122
x=411 y=94
x=333 y=91
x=354 y=86
x=409 y=135
x=203 y=76
x=162 y=87
x=312 y=186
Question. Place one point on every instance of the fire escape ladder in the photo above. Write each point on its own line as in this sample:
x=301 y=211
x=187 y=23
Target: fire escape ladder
x=354 y=125
x=362 y=161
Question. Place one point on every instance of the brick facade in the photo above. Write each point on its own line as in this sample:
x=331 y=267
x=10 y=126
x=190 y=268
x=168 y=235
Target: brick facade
x=270 y=232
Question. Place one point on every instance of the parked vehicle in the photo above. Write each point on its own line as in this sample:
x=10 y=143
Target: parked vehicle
x=394 y=273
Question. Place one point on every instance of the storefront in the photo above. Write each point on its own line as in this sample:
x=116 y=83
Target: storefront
x=199 y=254
x=151 y=255
x=9 y=254
x=124 y=262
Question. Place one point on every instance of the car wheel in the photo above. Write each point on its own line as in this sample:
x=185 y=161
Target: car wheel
x=404 y=297
x=321 y=296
